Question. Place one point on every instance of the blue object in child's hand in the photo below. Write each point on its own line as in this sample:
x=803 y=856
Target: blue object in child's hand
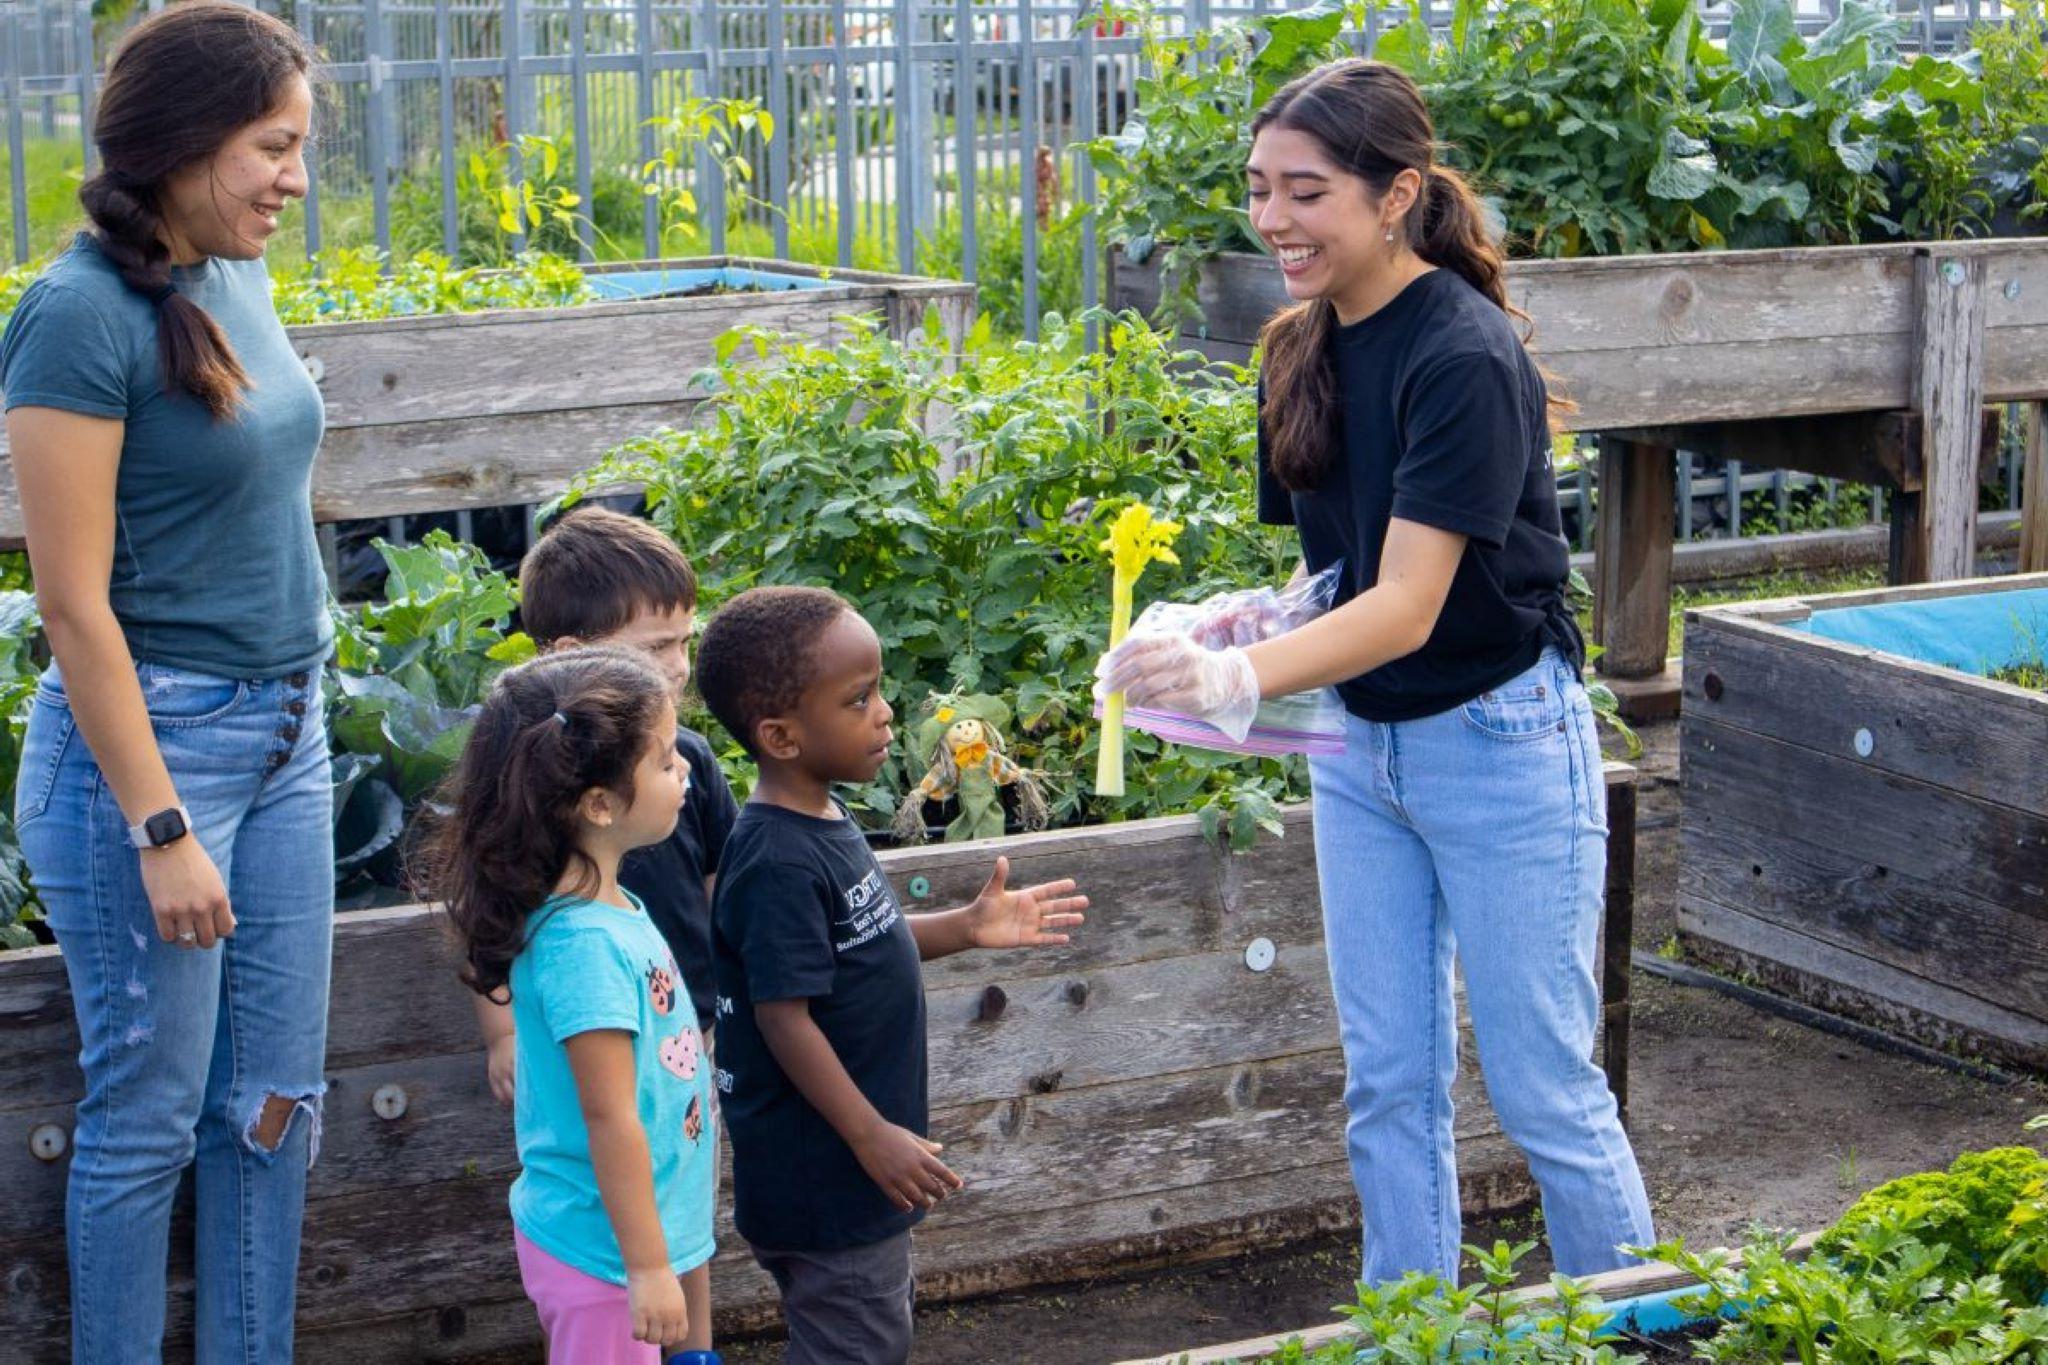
x=694 y=1358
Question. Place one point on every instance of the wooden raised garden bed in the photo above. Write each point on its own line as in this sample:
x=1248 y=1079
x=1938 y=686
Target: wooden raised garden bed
x=1170 y=1086
x=1866 y=814
x=462 y=410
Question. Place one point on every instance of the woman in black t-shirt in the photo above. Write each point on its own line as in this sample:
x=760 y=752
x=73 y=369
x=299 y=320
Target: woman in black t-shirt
x=1403 y=429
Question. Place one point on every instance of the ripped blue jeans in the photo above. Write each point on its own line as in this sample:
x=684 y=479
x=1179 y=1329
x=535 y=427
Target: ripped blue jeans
x=205 y=1058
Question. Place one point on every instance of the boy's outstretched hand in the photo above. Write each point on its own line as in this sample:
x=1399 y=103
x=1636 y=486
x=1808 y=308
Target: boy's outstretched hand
x=1030 y=918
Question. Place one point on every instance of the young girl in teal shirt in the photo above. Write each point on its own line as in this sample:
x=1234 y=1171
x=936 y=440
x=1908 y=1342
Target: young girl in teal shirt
x=571 y=766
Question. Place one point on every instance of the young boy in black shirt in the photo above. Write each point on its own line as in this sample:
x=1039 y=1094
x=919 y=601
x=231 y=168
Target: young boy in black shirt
x=821 y=1025
x=600 y=578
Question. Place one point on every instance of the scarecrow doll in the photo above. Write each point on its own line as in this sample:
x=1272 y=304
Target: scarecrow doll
x=961 y=740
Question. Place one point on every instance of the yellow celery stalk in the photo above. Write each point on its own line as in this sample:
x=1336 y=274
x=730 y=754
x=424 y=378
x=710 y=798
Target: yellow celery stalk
x=1136 y=538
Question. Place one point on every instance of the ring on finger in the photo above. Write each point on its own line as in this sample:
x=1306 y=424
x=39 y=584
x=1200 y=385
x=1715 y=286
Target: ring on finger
x=187 y=936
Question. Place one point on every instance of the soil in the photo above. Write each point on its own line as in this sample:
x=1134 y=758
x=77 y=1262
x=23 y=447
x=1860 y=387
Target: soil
x=1739 y=1117
x=1656 y=1346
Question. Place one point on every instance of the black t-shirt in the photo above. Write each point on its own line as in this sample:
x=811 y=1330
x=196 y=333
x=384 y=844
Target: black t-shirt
x=668 y=877
x=1444 y=423
x=804 y=912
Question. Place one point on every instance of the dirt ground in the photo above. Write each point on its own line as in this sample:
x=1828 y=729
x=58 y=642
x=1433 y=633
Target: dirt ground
x=1739 y=1116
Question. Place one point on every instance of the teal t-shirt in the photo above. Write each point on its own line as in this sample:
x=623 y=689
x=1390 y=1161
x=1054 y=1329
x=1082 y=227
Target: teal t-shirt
x=216 y=567
x=588 y=965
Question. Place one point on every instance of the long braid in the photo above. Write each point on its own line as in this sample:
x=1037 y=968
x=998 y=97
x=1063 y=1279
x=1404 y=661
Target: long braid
x=197 y=355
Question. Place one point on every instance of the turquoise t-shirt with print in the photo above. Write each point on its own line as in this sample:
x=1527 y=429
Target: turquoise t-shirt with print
x=216 y=567
x=589 y=965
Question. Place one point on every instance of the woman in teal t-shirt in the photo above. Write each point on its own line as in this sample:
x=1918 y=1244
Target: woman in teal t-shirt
x=174 y=800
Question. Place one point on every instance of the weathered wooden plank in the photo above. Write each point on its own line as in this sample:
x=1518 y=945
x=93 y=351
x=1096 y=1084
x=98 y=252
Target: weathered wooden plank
x=440 y=413
x=1849 y=899
x=1847 y=983
x=1915 y=829
x=1632 y=590
x=1926 y=723
x=498 y=364
x=459 y=1247
x=2034 y=491
x=1948 y=393
x=1649 y=340
x=1158 y=889
x=1797 y=609
x=470 y=461
x=1020 y=1153
x=473 y=1332
x=396 y=998
x=1634 y=302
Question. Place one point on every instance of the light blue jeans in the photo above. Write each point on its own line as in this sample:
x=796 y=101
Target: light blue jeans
x=1480 y=832
x=183 y=1048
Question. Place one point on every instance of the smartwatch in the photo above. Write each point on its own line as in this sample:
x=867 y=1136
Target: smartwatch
x=165 y=827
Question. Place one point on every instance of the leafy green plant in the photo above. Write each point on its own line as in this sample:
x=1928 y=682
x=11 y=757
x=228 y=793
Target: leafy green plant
x=958 y=501
x=1576 y=115
x=1825 y=112
x=1607 y=126
x=1965 y=1214
x=1173 y=177
x=19 y=624
x=354 y=284
x=1422 y=1319
x=409 y=674
x=1886 y=1297
x=2012 y=60
x=999 y=247
x=13 y=283
x=717 y=128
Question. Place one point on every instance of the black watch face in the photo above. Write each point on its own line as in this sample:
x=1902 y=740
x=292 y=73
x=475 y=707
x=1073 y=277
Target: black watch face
x=164 y=826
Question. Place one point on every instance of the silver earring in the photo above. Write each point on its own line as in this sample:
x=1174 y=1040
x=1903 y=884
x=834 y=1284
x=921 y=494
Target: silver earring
x=1390 y=232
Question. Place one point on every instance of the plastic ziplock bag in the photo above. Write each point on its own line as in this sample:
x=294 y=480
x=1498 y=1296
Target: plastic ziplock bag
x=1301 y=723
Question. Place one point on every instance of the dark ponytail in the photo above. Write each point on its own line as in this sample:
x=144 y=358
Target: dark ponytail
x=549 y=731
x=177 y=89
x=1369 y=119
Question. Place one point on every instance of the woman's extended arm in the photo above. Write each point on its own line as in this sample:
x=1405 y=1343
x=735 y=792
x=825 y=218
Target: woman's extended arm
x=1223 y=687
x=65 y=465
x=1388 y=621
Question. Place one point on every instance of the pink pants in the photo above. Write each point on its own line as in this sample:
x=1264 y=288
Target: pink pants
x=586 y=1319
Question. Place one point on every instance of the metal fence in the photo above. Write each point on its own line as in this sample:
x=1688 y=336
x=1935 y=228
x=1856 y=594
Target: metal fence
x=909 y=131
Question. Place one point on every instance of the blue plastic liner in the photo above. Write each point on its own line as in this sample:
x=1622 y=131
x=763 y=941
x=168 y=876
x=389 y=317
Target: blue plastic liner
x=1978 y=633
x=656 y=284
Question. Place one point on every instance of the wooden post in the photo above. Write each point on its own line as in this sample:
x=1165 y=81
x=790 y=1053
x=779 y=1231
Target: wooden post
x=1948 y=393
x=1618 y=931
x=1632 y=574
x=1906 y=558
x=2034 y=491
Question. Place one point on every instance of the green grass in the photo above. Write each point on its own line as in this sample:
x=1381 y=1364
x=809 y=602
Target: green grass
x=54 y=167
x=1765 y=588
x=1753 y=590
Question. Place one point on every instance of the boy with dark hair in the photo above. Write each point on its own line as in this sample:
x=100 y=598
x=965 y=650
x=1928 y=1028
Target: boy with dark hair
x=821 y=1048
x=597 y=577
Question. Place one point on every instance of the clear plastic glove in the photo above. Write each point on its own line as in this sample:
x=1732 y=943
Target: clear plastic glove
x=1171 y=672
x=1244 y=617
